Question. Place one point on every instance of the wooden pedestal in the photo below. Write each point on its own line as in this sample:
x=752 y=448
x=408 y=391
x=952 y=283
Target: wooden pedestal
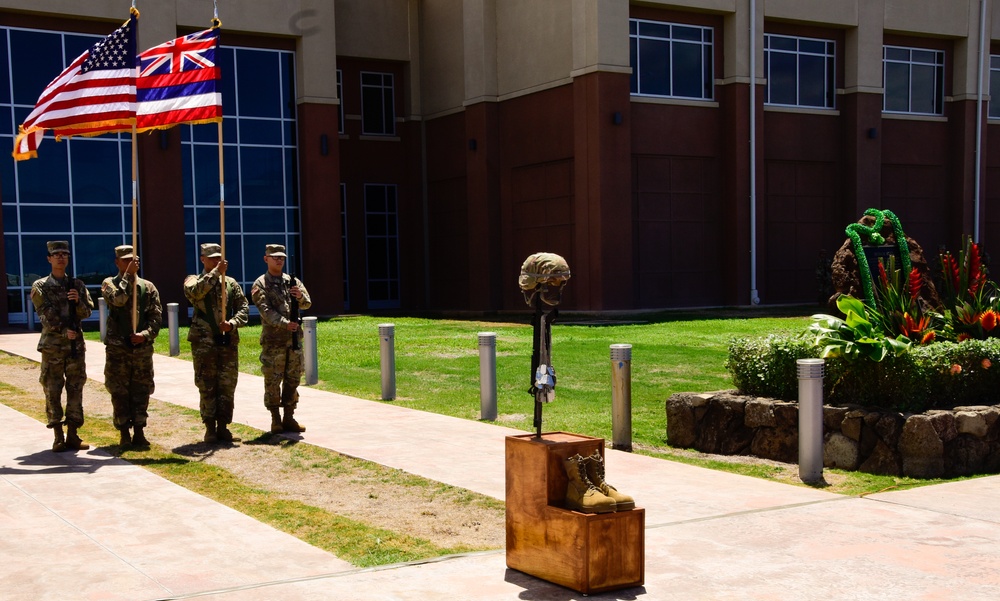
x=589 y=553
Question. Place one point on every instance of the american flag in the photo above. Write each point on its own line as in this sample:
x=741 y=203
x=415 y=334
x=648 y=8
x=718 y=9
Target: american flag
x=178 y=82
x=94 y=95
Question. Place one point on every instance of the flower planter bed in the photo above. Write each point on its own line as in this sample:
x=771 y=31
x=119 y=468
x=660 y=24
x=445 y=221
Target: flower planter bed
x=933 y=444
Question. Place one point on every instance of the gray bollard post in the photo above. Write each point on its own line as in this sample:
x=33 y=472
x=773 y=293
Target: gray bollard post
x=387 y=348
x=810 y=372
x=174 y=328
x=102 y=316
x=488 y=376
x=621 y=397
x=309 y=356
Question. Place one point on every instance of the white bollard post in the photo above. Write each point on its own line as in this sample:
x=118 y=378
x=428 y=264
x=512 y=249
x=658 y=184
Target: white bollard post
x=488 y=376
x=102 y=316
x=621 y=397
x=174 y=328
x=810 y=372
x=309 y=356
x=387 y=347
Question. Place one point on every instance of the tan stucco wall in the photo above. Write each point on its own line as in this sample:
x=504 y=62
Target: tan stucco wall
x=442 y=50
x=376 y=29
x=534 y=45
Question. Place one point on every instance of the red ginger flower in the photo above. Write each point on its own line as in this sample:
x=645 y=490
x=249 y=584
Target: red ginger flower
x=929 y=337
x=963 y=337
x=988 y=319
x=916 y=283
x=881 y=274
x=950 y=268
x=976 y=275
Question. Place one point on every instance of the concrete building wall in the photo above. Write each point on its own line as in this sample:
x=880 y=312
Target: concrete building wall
x=517 y=133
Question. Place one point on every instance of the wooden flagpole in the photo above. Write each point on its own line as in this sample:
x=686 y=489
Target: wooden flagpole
x=135 y=218
x=135 y=222
x=216 y=22
x=222 y=220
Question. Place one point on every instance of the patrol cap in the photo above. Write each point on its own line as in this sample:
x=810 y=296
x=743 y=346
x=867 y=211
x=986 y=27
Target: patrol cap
x=274 y=250
x=57 y=246
x=124 y=252
x=211 y=250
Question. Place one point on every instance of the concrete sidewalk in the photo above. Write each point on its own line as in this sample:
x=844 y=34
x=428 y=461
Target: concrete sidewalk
x=127 y=534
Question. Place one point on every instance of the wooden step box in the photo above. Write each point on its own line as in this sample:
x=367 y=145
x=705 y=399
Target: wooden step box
x=589 y=553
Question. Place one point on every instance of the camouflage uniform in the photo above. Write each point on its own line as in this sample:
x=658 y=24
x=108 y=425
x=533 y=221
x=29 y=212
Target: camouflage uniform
x=60 y=364
x=281 y=365
x=128 y=371
x=216 y=365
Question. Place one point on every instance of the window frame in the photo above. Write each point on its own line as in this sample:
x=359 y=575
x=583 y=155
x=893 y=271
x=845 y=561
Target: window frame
x=994 y=73
x=387 y=101
x=706 y=44
x=939 y=75
x=829 y=75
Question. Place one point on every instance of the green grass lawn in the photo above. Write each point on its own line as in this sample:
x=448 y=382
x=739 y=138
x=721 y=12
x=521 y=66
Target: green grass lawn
x=437 y=364
x=437 y=370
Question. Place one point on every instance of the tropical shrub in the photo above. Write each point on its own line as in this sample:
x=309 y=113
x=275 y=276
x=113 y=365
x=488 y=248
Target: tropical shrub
x=935 y=376
x=893 y=348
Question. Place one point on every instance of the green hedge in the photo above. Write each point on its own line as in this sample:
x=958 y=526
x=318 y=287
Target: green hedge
x=937 y=376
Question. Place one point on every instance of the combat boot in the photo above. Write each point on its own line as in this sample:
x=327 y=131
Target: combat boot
x=289 y=423
x=139 y=439
x=222 y=433
x=59 y=444
x=73 y=440
x=125 y=439
x=276 y=425
x=581 y=494
x=210 y=435
x=595 y=471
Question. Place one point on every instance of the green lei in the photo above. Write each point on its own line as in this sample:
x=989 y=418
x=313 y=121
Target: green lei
x=855 y=231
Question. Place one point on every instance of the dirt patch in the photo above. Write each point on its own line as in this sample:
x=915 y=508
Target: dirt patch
x=380 y=497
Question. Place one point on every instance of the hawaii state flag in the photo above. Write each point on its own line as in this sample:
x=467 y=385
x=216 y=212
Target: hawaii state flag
x=178 y=82
x=94 y=95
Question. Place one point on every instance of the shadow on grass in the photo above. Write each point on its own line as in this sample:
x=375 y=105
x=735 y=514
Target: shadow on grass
x=271 y=439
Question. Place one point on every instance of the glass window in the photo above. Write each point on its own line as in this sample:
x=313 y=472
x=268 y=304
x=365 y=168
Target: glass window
x=340 y=99
x=671 y=60
x=800 y=71
x=378 y=112
x=260 y=163
x=343 y=244
x=259 y=79
x=994 y=88
x=382 y=246
x=74 y=190
x=95 y=169
x=913 y=80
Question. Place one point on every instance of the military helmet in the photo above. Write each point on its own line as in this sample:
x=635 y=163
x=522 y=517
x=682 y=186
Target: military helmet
x=545 y=273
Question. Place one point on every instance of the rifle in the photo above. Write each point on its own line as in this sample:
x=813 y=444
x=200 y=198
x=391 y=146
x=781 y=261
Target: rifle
x=73 y=320
x=294 y=313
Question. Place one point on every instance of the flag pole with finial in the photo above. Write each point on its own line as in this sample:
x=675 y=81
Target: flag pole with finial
x=216 y=23
x=134 y=13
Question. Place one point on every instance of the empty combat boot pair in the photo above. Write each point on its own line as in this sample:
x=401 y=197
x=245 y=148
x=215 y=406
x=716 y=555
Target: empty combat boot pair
x=587 y=491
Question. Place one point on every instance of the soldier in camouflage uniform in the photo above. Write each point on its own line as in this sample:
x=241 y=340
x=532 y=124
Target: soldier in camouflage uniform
x=215 y=340
x=63 y=348
x=282 y=366
x=128 y=371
